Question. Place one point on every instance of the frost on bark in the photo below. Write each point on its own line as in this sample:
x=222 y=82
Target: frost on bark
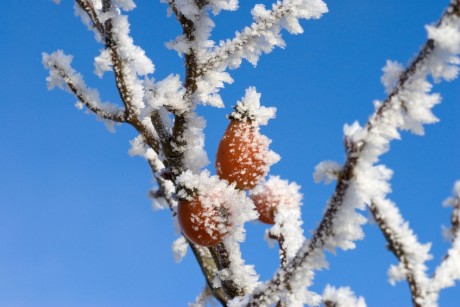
x=171 y=139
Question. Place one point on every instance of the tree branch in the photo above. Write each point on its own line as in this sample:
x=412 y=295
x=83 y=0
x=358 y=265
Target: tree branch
x=282 y=251
x=264 y=29
x=105 y=111
x=221 y=259
x=401 y=251
x=448 y=271
x=122 y=72
x=455 y=218
x=88 y=7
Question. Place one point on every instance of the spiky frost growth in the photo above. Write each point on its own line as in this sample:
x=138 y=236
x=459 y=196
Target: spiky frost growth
x=249 y=108
x=341 y=297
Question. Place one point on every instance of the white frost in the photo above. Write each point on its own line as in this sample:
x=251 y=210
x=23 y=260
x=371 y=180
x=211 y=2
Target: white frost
x=249 y=107
x=391 y=73
x=327 y=171
x=342 y=297
x=179 y=248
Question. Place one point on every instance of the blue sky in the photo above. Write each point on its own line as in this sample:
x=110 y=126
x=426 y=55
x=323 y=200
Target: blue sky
x=76 y=227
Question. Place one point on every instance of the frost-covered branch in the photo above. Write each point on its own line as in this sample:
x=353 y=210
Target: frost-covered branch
x=209 y=270
x=360 y=182
x=264 y=34
x=448 y=272
x=221 y=257
x=62 y=73
x=341 y=297
x=142 y=111
x=128 y=61
x=454 y=201
x=412 y=255
x=403 y=243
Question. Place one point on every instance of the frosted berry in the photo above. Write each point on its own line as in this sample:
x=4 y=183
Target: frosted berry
x=272 y=194
x=243 y=157
x=204 y=225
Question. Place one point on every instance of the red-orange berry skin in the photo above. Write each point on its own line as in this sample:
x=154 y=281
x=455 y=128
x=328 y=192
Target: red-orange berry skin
x=265 y=208
x=199 y=224
x=240 y=157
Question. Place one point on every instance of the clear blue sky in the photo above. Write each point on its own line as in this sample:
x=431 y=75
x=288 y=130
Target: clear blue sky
x=76 y=227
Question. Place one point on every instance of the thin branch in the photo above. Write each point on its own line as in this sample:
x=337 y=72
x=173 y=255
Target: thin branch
x=221 y=259
x=400 y=250
x=81 y=94
x=119 y=66
x=148 y=135
x=88 y=7
x=455 y=219
x=282 y=251
x=208 y=268
x=120 y=69
x=448 y=271
x=236 y=47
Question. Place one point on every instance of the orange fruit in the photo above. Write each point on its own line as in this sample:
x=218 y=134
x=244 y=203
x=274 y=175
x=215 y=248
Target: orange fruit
x=266 y=206
x=203 y=225
x=272 y=194
x=243 y=155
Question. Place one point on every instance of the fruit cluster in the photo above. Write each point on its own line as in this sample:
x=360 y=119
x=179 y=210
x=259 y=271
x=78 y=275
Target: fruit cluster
x=243 y=159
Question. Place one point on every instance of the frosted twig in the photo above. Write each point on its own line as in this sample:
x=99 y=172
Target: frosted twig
x=220 y=255
x=88 y=7
x=341 y=297
x=74 y=81
x=125 y=66
x=404 y=245
x=455 y=217
x=209 y=270
x=280 y=239
x=263 y=34
x=448 y=271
